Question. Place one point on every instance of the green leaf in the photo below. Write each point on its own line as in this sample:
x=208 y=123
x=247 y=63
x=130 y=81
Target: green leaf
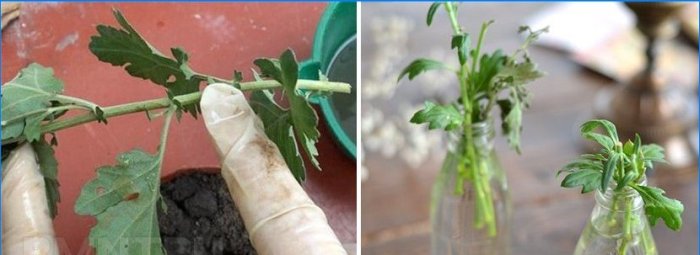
x=431 y=12
x=511 y=119
x=588 y=179
x=420 y=65
x=532 y=36
x=489 y=67
x=278 y=127
x=124 y=199
x=26 y=101
x=49 y=169
x=125 y=47
x=597 y=157
x=302 y=116
x=653 y=152
x=604 y=141
x=609 y=170
x=581 y=164
x=438 y=116
x=461 y=42
x=637 y=144
x=628 y=148
x=656 y=206
x=589 y=126
x=626 y=180
x=516 y=74
x=513 y=125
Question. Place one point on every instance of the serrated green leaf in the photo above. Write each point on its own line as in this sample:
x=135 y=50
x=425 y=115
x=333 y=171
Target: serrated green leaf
x=588 y=179
x=580 y=164
x=49 y=169
x=303 y=117
x=438 y=116
x=420 y=65
x=656 y=206
x=589 y=127
x=431 y=12
x=125 y=47
x=28 y=97
x=278 y=127
x=604 y=141
x=461 y=42
x=519 y=73
x=269 y=67
x=532 y=36
x=511 y=119
x=653 y=152
x=124 y=198
x=597 y=157
x=32 y=130
x=490 y=65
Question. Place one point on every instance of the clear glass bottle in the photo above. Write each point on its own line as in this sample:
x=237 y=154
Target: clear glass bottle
x=618 y=225
x=471 y=215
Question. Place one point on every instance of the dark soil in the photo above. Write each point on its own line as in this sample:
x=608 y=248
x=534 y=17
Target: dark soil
x=201 y=218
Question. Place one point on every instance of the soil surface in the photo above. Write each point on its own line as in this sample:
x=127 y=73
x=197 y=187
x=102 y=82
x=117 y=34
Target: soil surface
x=201 y=218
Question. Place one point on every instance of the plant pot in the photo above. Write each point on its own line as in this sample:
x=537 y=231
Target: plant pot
x=334 y=54
x=220 y=37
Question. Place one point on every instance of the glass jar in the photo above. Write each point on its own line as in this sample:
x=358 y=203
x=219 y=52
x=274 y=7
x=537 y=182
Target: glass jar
x=470 y=204
x=618 y=225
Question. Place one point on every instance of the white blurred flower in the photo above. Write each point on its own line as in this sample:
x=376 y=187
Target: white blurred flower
x=385 y=127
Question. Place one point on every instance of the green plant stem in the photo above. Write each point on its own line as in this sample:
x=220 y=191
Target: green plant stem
x=50 y=110
x=164 y=135
x=648 y=242
x=484 y=211
x=627 y=227
x=452 y=13
x=161 y=147
x=480 y=41
x=118 y=110
x=302 y=84
x=621 y=204
x=154 y=104
x=489 y=213
x=77 y=101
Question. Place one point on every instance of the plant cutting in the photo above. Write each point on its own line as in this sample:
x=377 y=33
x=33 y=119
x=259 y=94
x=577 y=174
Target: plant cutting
x=125 y=197
x=618 y=175
x=471 y=176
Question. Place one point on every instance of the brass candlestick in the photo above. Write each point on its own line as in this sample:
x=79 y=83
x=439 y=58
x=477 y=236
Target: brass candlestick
x=661 y=112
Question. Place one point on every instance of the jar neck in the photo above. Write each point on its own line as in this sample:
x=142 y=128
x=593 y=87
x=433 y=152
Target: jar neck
x=620 y=201
x=481 y=137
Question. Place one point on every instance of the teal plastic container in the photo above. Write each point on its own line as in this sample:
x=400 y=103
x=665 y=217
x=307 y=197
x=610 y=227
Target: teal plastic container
x=334 y=53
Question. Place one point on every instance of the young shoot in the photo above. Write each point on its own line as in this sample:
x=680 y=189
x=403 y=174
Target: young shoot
x=486 y=80
x=622 y=166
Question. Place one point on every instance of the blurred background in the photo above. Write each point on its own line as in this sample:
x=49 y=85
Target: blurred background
x=592 y=50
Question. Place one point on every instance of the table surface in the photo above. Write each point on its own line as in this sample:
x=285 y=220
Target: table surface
x=547 y=218
x=220 y=38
